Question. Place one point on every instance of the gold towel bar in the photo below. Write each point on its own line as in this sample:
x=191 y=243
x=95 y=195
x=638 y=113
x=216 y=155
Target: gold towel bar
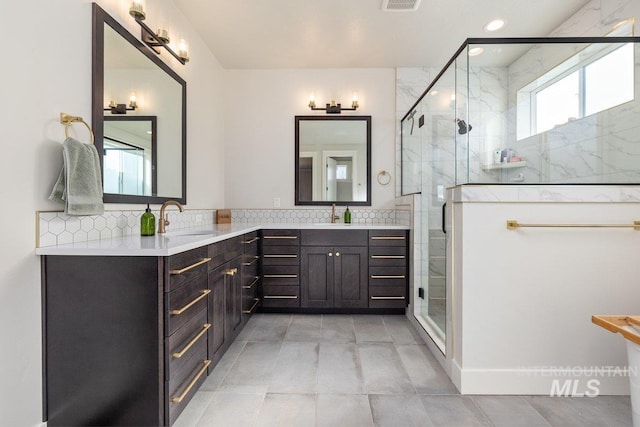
x=512 y=224
x=68 y=120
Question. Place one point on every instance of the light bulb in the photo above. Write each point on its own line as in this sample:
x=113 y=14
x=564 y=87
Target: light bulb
x=136 y=9
x=183 y=50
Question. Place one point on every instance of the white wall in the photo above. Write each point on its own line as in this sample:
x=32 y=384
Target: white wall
x=260 y=110
x=47 y=70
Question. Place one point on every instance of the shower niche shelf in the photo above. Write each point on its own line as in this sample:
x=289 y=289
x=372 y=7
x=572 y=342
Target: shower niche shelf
x=510 y=165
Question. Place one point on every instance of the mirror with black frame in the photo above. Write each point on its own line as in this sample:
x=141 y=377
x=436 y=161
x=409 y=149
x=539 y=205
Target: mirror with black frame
x=333 y=160
x=134 y=89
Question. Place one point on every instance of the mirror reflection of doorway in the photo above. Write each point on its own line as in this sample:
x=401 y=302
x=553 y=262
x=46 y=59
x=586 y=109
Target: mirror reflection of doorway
x=338 y=182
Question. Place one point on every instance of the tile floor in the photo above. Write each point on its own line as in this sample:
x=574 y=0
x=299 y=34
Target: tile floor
x=362 y=370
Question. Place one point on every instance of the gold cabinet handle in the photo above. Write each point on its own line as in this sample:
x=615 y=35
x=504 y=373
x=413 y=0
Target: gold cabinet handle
x=387 y=256
x=178 y=399
x=280 y=276
x=280 y=297
x=394 y=298
x=248 y=242
x=281 y=237
x=387 y=277
x=195 y=339
x=255 y=304
x=255 y=280
x=188 y=306
x=255 y=258
x=281 y=256
x=387 y=238
x=197 y=264
x=231 y=272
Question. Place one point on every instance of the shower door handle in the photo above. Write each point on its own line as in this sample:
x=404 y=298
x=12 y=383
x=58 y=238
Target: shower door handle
x=444 y=206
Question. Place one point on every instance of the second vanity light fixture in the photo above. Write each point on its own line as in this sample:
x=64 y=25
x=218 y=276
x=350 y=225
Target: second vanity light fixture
x=157 y=39
x=116 y=108
x=333 y=107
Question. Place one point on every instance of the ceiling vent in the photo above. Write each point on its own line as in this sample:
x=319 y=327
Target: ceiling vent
x=400 y=5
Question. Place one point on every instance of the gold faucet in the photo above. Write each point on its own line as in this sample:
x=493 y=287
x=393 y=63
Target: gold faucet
x=334 y=217
x=164 y=221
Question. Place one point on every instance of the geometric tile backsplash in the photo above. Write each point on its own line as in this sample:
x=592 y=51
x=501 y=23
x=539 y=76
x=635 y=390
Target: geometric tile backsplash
x=57 y=228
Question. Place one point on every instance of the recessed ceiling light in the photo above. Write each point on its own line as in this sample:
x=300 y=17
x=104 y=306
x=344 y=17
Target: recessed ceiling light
x=475 y=51
x=494 y=25
x=434 y=93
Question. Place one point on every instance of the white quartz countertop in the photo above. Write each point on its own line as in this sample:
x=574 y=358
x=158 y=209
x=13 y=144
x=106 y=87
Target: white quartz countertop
x=177 y=241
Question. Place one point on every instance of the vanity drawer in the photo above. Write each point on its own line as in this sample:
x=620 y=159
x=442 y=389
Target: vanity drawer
x=388 y=238
x=182 y=388
x=280 y=237
x=333 y=237
x=280 y=255
x=184 y=266
x=388 y=297
x=385 y=276
x=250 y=264
x=388 y=256
x=224 y=251
x=250 y=243
x=185 y=343
x=281 y=275
x=280 y=296
x=186 y=302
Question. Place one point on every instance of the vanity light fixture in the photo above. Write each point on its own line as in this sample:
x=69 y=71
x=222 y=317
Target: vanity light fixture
x=333 y=107
x=156 y=40
x=116 y=108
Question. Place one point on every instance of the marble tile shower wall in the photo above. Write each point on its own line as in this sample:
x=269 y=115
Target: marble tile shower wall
x=57 y=228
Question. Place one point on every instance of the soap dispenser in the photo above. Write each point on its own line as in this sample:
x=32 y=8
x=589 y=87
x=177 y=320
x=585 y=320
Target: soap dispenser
x=147 y=223
x=347 y=216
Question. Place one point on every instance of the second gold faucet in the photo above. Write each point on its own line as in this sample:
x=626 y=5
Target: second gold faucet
x=164 y=221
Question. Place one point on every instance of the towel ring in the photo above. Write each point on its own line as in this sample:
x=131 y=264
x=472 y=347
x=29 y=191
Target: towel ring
x=68 y=120
x=384 y=178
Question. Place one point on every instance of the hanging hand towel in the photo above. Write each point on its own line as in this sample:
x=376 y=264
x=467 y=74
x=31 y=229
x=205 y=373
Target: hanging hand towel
x=79 y=185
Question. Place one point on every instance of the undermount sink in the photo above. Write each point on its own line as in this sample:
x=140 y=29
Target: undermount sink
x=189 y=233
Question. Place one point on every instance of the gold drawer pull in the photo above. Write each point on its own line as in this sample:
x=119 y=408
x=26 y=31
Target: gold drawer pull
x=248 y=242
x=231 y=272
x=387 y=256
x=394 y=298
x=188 y=306
x=255 y=258
x=387 y=277
x=197 y=264
x=181 y=353
x=387 y=238
x=281 y=237
x=255 y=280
x=178 y=399
x=255 y=304
x=280 y=297
x=280 y=276
x=281 y=256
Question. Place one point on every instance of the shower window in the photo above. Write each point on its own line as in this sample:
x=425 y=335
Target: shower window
x=577 y=88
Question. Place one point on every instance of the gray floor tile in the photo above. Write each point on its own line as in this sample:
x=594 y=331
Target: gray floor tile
x=338 y=329
x=339 y=369
x=583 y=411
x=287 y=410
x=296 y=370
x=194 y=410
x=370 y=328
x=346 y=410
x=253 y=368
x=254 y=320
x=446 y=411
x=426 y=374
x=401 y=330
x=509 y=411
x=271 y=327
x=232 y=409
x=382 y=370
x=304 y=328
x=398 y=410
x=223 y=367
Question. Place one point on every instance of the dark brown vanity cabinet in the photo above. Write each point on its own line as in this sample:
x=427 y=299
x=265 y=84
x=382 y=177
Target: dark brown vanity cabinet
x=333 y=276
x=250 y=275
x=388 y=268
x=280 y=268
